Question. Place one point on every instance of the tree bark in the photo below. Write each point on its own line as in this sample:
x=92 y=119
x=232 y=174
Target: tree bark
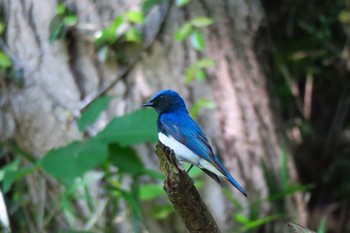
x=59 y=76
x=183 y=194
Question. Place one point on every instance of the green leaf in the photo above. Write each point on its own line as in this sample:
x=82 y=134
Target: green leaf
x=135 y=16
x=117 y=22
x=61 y=9
x=137 y=127
x=109 y=34
x=153 y=174
x=92 y=112
x=151 y=191
x=56 y=28
x=12 y=176
x=70 y=20
x=196 y=69
x=181 y=3
x=201 y=22
x=2 y=27
x=199 y=104
x=322 y=226
x=162 y=212
x=67 y=207
x=5 y=61
x=190 y=74
x=133 y=35
x=126 y=159
x=200 y=74
x=197 y=40
x=259 y=222
x=148 y=4
x=71 y=161
x=183 y=32
x=205 y=63
x=241 y=219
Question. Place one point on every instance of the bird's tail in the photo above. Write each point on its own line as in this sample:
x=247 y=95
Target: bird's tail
x=235 y=183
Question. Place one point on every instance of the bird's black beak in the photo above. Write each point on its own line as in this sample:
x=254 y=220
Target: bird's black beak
x=148 y=104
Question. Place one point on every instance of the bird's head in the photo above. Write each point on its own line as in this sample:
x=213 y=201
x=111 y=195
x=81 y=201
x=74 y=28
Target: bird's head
x=166 y=101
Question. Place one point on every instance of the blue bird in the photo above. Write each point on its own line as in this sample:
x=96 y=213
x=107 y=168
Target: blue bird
x=178 y=131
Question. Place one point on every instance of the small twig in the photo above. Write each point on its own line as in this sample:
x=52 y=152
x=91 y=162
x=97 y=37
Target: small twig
x=183 y=194
x=308 y=95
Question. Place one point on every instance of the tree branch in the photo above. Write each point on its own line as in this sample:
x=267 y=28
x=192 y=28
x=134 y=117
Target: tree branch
x=183 y=194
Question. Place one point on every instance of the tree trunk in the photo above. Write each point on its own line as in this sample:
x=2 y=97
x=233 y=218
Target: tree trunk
x=58 y=76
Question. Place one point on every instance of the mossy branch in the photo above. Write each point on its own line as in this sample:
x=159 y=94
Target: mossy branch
x=183 y=194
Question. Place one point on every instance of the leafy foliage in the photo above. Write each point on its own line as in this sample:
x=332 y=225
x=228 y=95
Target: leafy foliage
x=64 y=19
x=193 y=30
x=131 y=129
x=72 y=161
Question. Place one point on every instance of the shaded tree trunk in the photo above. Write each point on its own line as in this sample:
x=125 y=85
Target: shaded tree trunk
x=60 y=75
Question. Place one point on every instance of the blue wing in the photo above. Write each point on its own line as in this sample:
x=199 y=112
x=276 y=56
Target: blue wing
x=185 y=130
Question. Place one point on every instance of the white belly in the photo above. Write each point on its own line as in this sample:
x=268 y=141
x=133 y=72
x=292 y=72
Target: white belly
x=183 y=154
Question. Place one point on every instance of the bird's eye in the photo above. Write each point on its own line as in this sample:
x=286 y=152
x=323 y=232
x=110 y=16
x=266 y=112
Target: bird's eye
x=161 y=97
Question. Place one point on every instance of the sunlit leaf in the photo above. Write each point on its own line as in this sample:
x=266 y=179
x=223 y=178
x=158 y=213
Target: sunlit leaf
x=205 y=63
x=183 y=32
x=197 y=40
x=135 y=16
x=201 y=22
x=200 y=74
x=181 y=3
x=5 y=61
x=109 y=34
x=61 y=9
x=70 y=20
x=190 y=74
x=125 y=158
x=92 y=112
x=133 y=35
x=241 y=219
x=137 y=127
